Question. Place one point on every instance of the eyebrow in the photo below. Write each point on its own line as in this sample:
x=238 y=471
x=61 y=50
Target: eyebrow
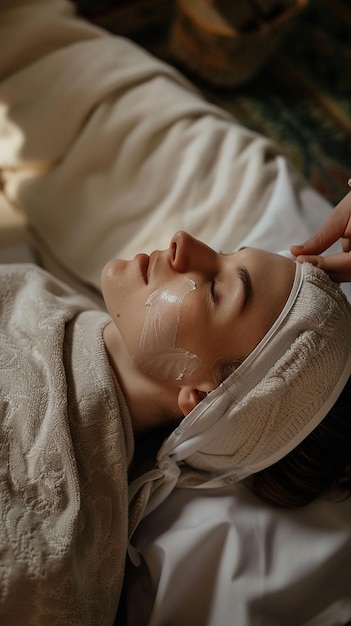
x=244 y=276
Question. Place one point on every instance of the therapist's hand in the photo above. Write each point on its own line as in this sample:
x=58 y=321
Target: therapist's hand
x=336 y=226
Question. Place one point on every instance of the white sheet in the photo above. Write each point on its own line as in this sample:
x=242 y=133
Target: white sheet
x=225 y=559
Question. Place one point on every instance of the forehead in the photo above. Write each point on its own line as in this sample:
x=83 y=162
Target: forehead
x=268 y=270
x=272 y=277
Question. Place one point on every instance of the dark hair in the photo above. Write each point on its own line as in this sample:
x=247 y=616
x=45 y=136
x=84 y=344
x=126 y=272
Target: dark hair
x=320 y=463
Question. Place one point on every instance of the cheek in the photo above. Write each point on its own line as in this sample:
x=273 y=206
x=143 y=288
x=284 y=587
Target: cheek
x=159 y=354
x=112 y=286
x=123 y=303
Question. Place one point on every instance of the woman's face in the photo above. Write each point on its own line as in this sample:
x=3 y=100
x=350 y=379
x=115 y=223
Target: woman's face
x=185 y=311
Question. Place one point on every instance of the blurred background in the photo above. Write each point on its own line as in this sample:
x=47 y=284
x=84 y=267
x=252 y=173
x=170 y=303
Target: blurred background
x=280 y=67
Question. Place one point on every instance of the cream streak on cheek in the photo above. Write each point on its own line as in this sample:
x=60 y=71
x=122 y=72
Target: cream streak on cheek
x=159 y=354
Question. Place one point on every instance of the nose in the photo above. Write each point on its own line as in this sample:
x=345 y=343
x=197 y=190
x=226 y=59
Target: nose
x=188 y=254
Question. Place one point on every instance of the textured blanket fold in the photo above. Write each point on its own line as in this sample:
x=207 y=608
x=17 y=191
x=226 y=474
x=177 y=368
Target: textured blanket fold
x=66 y=442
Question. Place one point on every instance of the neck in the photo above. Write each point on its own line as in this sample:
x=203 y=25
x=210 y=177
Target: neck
x=152 y=403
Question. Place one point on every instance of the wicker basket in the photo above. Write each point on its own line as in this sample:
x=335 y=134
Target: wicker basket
x=206 y=42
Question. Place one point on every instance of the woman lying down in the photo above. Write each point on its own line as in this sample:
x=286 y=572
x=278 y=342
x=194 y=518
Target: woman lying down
x=247 y=358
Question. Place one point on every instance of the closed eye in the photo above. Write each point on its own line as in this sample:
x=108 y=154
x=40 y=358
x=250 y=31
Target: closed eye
x=244 y=276
x=213 y=291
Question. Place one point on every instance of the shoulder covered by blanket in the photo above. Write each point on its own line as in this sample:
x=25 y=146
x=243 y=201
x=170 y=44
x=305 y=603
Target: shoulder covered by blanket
x=65 y=446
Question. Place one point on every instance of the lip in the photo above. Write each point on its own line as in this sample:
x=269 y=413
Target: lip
x=143 y=261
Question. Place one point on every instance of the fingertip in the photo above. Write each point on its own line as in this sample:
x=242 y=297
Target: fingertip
x=315 y=260
x=296 y=249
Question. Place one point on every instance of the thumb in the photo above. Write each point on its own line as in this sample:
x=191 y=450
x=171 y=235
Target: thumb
x=332 y=229
x=317 y=243
x=335 y=226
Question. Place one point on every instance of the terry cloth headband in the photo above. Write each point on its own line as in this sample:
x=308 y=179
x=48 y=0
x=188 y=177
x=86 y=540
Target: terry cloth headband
x=275 y=398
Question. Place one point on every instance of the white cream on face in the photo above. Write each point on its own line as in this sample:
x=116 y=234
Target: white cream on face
x=158 y=338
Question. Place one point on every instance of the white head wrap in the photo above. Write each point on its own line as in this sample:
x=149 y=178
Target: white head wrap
x=277 y=396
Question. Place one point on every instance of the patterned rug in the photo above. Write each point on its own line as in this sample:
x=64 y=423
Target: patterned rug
x=302 y=96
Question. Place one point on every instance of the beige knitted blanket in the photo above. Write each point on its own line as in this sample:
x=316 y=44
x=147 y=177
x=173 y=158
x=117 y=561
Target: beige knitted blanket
x=65 y=444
